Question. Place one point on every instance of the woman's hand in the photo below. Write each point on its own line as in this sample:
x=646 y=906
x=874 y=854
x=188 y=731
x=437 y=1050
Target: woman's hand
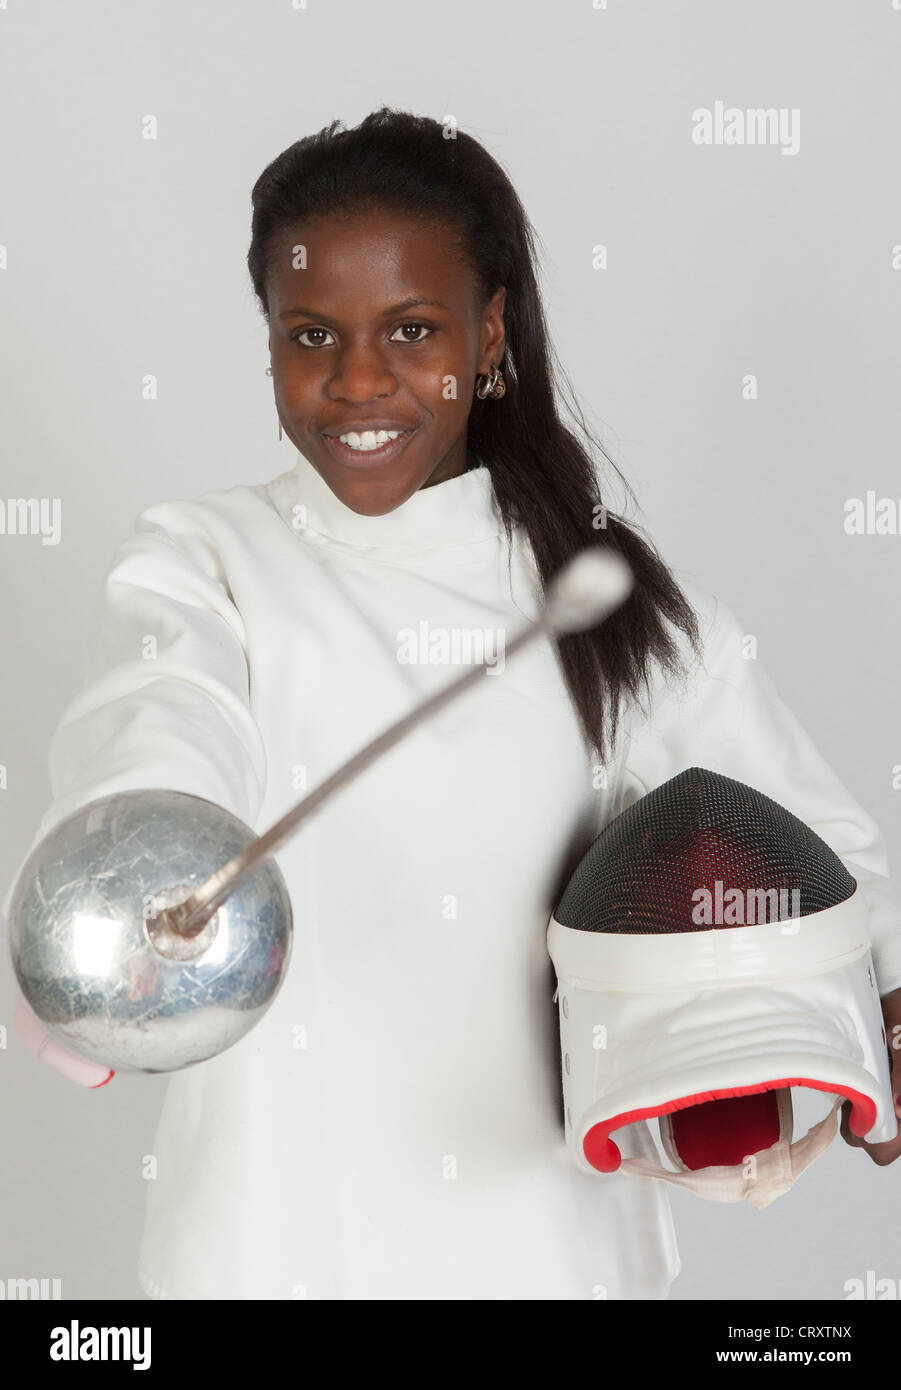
x=889 y=1151
x=68 y=1064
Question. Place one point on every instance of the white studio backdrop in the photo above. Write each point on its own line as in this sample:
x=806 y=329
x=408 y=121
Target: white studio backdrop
x=728 y=315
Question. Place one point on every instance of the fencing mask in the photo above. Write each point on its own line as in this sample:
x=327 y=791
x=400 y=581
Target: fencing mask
x=712 y=952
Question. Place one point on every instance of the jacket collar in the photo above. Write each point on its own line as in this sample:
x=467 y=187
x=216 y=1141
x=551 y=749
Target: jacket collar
x=456 y=512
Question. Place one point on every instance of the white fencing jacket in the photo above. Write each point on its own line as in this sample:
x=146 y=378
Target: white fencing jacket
x=393 y=1127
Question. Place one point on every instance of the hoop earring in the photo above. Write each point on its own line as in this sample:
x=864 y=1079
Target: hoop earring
x=280 y=435
x=491 y=385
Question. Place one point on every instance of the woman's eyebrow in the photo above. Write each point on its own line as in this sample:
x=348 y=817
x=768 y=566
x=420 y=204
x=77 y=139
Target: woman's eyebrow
x=412 y=303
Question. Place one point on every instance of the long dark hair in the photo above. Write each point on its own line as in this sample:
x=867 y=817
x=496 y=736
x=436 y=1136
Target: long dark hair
x=541 y=470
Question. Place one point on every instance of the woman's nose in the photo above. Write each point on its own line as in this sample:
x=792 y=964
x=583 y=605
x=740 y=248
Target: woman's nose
x=361 y=373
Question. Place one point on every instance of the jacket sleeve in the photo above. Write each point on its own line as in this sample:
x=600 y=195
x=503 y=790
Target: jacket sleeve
x=728 y=717
x=165 y=699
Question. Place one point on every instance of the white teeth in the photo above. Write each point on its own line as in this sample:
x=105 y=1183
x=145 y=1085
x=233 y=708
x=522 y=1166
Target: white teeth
x=369 y=439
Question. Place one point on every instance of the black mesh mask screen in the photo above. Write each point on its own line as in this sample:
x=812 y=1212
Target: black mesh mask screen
x=642 y=873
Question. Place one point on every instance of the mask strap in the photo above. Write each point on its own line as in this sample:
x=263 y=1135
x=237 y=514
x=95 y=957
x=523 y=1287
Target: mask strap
x=776 y=1168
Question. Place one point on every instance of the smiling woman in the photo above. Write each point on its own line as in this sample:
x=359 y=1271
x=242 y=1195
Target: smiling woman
x=394 y=266
x=374 y=362
x=381 y=439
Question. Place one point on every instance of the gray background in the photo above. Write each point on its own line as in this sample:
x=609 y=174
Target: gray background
x=127 y=256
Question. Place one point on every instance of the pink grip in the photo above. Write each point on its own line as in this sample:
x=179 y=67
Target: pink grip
x=68 y=1064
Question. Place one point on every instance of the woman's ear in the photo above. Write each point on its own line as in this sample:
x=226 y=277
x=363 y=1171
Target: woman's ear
x=494 y=339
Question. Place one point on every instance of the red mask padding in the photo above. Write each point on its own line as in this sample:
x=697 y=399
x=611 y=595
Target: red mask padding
x=726 y=1130
x=602 y=1153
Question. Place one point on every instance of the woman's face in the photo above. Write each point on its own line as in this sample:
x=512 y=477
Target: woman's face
x=355 y=345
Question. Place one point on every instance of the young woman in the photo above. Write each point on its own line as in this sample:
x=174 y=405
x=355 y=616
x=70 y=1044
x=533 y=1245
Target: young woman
x=392 y=1128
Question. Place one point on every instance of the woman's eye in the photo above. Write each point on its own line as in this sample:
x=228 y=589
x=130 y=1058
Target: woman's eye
x=401 y=328
x=296 y=337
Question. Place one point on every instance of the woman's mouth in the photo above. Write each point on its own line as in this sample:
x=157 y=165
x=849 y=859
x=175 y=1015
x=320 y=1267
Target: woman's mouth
x=368 y=447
